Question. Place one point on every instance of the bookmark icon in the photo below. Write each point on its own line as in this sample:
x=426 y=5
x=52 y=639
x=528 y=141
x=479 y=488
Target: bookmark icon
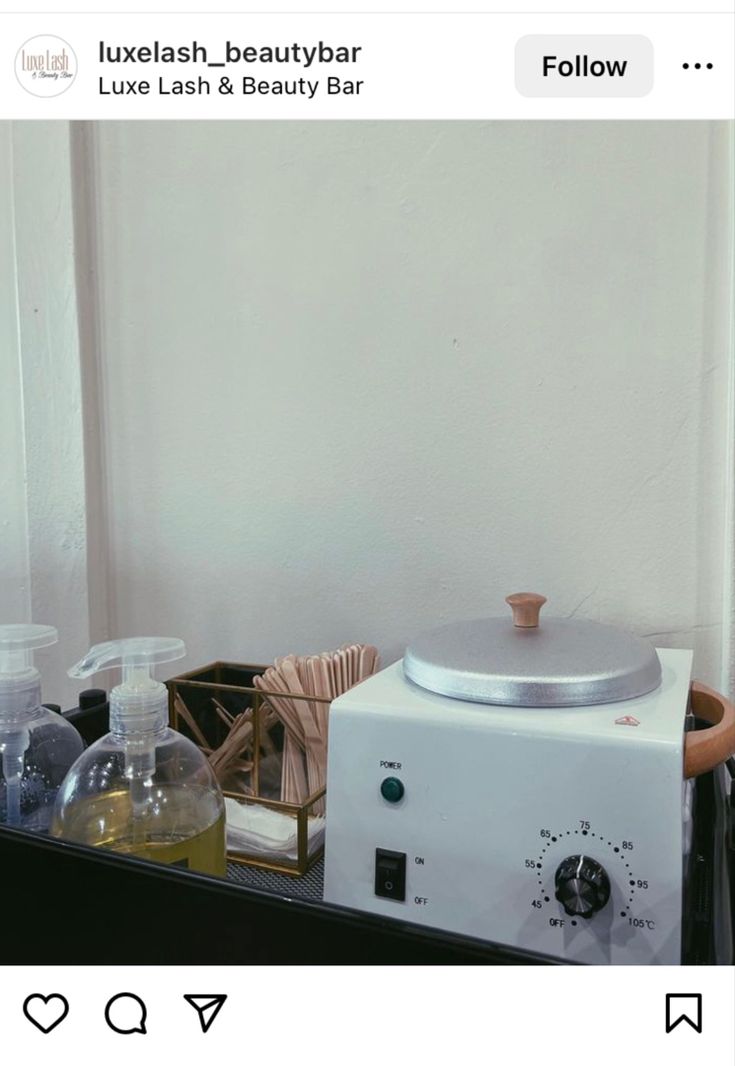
x=684 y=1007
x=207 y=1008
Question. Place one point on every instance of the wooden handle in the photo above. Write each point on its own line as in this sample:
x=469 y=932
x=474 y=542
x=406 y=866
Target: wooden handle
x=706 y=748
x=525 y=607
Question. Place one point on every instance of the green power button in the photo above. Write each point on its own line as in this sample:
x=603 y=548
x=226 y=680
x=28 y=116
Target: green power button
x=391 y=789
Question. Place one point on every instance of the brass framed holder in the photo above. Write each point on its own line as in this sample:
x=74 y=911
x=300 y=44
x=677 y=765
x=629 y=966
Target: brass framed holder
x=218 y=707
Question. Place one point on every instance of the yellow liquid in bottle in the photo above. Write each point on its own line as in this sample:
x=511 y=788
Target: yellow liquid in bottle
x=172 y=828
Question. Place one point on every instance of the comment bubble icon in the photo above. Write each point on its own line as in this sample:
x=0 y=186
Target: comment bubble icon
x=126 y=1013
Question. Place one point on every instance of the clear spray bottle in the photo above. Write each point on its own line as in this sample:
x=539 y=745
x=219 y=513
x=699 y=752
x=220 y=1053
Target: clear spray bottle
x=37 y=746
x=143 y=789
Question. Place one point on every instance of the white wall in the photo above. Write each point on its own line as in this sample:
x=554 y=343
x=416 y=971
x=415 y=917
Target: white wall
x=361 y=378
x=43 y=555
x=14 y=566
x=349 y=380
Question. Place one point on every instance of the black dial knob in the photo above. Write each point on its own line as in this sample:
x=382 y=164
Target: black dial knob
x=582 y=886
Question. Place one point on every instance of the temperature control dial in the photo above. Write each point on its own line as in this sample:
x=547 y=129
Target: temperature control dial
x=582 y=886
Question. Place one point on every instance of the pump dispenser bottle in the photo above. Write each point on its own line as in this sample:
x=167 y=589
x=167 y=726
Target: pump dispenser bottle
x=143 y=789
x=37 y=746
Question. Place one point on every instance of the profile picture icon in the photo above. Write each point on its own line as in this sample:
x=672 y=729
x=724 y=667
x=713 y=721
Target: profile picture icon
x=45 y=65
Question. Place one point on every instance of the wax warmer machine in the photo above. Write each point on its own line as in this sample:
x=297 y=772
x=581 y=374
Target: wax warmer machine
x=526 y=782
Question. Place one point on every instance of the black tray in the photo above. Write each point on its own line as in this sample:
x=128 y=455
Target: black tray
x=80 y=905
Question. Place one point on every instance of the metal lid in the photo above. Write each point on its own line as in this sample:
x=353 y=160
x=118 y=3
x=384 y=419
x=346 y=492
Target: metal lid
x=560 y=663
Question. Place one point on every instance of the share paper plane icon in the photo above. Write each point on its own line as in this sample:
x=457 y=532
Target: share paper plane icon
x=207 y=1007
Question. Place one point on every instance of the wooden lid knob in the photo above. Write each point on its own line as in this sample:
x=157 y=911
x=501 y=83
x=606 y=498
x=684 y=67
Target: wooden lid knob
x=526 y=607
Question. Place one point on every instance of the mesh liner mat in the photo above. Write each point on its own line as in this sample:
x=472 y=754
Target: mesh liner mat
x=309 y=887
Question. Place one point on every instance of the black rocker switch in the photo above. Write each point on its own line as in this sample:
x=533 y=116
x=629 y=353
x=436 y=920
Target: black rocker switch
x=390 y=874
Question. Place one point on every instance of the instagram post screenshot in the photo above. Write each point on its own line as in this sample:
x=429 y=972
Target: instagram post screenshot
x=367 y=532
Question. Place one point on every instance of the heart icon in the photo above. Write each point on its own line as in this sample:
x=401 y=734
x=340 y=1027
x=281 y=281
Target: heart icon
x=46 y=1012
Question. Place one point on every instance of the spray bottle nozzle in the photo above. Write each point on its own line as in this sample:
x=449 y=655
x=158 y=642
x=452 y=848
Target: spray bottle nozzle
x=140 y=701
x=17 y=644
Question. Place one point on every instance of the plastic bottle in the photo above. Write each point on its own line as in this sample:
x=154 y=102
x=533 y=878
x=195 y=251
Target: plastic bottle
x=37 y=745
x=143 y=789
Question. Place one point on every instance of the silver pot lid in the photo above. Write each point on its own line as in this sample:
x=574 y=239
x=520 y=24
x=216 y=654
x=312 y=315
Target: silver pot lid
x=523 y=663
